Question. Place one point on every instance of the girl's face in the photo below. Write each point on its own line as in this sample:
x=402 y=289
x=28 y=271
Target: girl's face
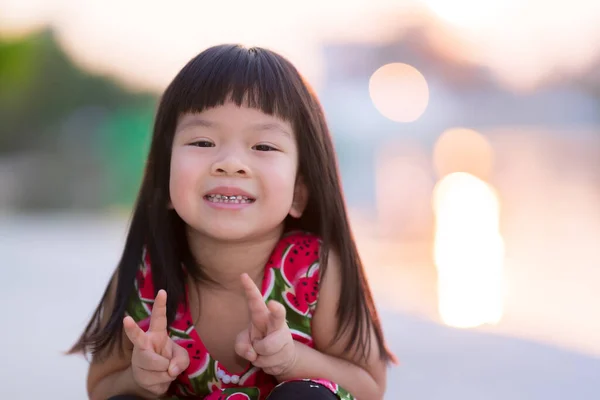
x=233 y=172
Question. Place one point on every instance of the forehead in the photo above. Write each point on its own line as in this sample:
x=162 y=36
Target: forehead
x=231 y=116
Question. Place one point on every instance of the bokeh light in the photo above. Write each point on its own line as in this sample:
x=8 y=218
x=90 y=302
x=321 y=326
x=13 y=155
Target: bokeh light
x=468 y=251
x=463 y=150
x=399 y=92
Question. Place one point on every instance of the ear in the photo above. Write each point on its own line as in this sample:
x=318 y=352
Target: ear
x=300 y=198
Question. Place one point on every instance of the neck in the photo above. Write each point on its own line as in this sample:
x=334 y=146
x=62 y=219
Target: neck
x=225 y=261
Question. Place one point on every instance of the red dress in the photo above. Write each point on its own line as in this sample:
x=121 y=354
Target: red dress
x=291 y=277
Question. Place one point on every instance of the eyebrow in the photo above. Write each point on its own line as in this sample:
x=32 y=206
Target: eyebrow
x=260 y=126
x=270 y=126
x=195 y=122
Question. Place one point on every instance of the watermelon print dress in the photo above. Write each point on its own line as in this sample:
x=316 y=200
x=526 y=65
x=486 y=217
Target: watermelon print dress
x=291 y=277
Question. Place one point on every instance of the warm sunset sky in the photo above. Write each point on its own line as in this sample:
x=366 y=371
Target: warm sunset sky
x=144 y=43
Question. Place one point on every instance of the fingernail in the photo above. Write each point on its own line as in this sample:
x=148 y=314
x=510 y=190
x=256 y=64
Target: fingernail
x=175 y=370
x=251 y=354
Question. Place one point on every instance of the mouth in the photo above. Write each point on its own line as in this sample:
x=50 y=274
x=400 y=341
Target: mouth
x=229 y=199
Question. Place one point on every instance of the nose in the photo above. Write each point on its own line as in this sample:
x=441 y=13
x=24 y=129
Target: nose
x=229 y=165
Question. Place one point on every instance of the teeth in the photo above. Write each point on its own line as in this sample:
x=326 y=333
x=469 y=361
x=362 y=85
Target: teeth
x=220 y=198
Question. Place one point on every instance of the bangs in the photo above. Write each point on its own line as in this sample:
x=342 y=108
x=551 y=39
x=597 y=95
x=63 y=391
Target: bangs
x=250 y=77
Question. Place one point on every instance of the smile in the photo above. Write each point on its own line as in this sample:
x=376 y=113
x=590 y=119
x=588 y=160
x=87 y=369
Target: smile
x=221 y=198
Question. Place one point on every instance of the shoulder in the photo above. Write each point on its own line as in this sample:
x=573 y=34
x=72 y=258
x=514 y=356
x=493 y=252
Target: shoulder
x=141 y=300
x=300 y=240
x=297 y=256
x=294 y=271
x=330 y=288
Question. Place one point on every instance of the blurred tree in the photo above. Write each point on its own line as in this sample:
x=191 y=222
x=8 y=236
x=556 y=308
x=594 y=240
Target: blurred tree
x=84 y=137
x=126 y=139
x=40 y=87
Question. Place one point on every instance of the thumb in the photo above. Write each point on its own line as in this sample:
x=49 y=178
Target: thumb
x=243 y=346
x=180 y=360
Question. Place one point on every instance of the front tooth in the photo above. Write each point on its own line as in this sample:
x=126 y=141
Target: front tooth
x=228 y=199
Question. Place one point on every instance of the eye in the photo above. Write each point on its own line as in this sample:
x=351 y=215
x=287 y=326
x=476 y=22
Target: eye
x=203 y=143
x=264 y=147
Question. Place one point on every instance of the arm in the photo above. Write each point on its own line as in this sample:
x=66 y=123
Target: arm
x=113 y=375
x=365 y=379
x=314 y=364
x=116 y=383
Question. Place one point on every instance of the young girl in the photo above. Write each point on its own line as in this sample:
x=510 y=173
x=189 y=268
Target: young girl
x=239 y=278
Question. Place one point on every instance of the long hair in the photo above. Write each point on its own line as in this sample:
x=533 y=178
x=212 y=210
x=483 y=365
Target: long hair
x=261 y=79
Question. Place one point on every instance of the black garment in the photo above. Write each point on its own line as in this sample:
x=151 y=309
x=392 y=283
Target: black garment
x=126 y=397
x=301 y=390
x=296 y=390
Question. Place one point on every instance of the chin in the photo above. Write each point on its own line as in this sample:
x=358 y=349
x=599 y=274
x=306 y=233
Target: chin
x=239 y=232
x=229 y=235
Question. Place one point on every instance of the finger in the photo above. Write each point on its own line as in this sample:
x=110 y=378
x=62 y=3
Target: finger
x=265 y=362
x=255 y=333
x=243 y=346
x=179 y=362
x=165 y=346
x=148 y=360
x=276 y=316
x=272 y=343
x=158 y=318
x=148 y=379
x=275 y=361
x=259 y=313
x=135 y=333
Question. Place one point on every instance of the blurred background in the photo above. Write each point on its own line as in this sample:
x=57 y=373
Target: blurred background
x=468 y=136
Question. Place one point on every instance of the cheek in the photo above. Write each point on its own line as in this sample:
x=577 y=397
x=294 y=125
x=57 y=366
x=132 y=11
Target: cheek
x=281 y=180
x=182 y=178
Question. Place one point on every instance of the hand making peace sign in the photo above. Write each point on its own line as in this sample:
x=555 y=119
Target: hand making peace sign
x=156 y=360
x=267 y=343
